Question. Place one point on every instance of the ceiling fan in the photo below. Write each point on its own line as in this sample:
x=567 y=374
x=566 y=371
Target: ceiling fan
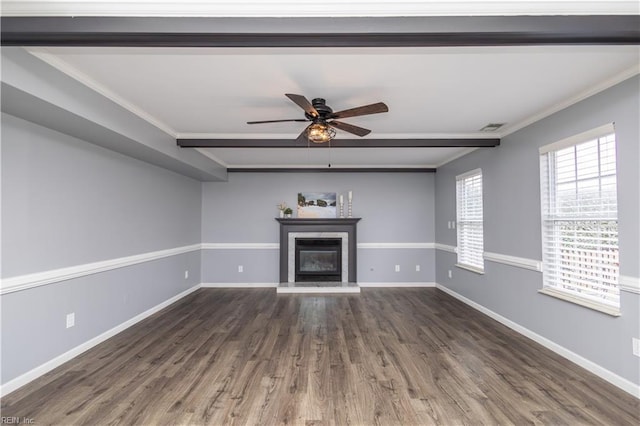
x=323 y=119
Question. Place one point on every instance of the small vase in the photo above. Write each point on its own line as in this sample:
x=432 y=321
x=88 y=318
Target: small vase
x=287 y=215
x=281 y=214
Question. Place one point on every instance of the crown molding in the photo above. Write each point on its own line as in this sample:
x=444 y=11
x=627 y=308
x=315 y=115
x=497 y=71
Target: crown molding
x=207 y=153
x=27 y=281
x=592 y=90
x=312 y=8
x=73 y=72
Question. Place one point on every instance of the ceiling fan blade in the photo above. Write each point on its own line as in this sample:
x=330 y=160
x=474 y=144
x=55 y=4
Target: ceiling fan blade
x=276 y=121
x=359 y=131
x=302 y=137
x=303 y=103
x=363 y=110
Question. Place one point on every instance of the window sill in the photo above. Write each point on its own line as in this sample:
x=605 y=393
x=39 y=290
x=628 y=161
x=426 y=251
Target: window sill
x=606 y=309
x=470 y=268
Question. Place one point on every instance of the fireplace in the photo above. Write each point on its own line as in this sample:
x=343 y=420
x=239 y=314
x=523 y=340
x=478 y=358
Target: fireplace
x=338 y=231
x=318 y=259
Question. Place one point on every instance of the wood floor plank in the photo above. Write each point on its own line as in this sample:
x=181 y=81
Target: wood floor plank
x=383 y=357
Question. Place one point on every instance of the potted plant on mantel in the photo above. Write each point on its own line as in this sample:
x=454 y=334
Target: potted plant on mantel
x=282 y=207
x=288 y=212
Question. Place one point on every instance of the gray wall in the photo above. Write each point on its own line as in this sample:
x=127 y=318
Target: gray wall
x=512 y=226
x=394 y=207
x=66 y=202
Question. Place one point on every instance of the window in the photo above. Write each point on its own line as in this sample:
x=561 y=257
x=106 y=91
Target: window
x=469 y=220
x=580 y=220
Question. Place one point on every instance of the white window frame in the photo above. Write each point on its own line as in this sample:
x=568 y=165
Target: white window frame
x=566 y=276
x=470 y=222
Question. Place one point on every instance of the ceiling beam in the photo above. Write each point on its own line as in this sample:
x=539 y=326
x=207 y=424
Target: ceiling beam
x=340 y=143
x=318 y=32
x=331 y=170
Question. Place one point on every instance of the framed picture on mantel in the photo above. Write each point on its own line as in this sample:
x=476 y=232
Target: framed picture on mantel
x=317 y=204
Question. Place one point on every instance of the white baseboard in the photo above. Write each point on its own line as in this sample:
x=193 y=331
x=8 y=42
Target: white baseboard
x=31 y=375
x=590 y=366
x=239 y=285
x=400 y=284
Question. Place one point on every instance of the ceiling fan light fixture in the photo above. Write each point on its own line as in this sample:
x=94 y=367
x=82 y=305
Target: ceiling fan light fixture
x=320 y=133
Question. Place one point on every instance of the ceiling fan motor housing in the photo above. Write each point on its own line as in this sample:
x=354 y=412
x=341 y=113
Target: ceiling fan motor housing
x=323 y=109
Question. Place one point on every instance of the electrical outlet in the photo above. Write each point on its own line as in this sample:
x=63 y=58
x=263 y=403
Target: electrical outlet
x=240 y=268
x=397 y=268
x=450 y=274
x=453 y=224
x=448 y=224
x=417 y=268
x=71 y=319
x=186 y=274
x=636 y=346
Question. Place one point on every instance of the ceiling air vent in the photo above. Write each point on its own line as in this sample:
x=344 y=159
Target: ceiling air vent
x=492 y=127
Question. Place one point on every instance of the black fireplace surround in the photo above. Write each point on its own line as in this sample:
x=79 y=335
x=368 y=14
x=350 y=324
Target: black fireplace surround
x=347 y=225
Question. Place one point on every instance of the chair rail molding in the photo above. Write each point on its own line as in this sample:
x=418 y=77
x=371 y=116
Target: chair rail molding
x=24 y=282
x=519 y=262
x=629 y=284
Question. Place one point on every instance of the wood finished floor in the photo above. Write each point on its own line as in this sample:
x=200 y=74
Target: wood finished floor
x=383 y=357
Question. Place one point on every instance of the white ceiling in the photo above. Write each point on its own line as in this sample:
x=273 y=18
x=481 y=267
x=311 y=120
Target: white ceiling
x=333 y=8
x=448 y=92
x=431 y=92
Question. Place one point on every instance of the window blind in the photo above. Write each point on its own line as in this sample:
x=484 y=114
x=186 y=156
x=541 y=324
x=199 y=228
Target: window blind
x=580 y=219
x=469 y=219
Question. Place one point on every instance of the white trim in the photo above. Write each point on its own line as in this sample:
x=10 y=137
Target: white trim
x=239 y=285
x=396 y=245
x=600 y=307
x=518 y=262
x=446 y=247
x=207 y=153
x=397 y=284
x=304 y=8
x=470 y=268
x=61 y=65
x=42 y=369
x=591 y=366
x=462 y=153
x=630 y=284
x=592 y=90
x=23 y=282
x=240 y=246
x=579 y=138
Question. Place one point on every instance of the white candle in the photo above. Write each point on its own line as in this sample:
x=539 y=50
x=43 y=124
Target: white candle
x=350 y=195
x=341 y=199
